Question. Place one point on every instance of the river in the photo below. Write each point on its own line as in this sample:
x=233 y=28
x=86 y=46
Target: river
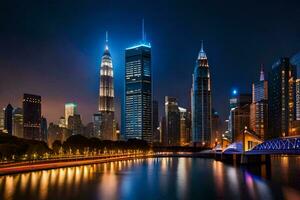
x=158 y=178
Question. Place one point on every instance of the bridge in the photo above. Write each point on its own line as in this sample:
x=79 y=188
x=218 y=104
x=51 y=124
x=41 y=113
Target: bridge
x=283 y=145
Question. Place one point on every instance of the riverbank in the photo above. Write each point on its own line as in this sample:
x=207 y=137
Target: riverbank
x=15 y=168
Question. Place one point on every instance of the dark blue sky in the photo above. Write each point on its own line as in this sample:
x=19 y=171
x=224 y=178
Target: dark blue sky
x=54 y=48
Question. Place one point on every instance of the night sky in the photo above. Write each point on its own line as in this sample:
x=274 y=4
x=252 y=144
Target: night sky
x=53 y=49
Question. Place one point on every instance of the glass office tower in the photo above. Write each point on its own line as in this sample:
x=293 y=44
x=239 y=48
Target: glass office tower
x=106 y=97
x=138 y=92
x=201 y=101
x=282 y=98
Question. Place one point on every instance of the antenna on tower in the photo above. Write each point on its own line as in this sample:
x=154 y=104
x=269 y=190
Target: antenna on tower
x=201 y=45
x=106 y=40
x=143 y=30
x=106 y=37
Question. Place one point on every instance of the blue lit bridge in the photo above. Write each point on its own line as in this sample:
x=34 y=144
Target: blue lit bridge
x=284 y=145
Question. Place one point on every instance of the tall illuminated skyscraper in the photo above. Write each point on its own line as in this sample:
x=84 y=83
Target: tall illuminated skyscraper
x=106 y=96
x=259 y=106
x=282 y=98
x=138 y=92
x=201 y=101
x=70 y=110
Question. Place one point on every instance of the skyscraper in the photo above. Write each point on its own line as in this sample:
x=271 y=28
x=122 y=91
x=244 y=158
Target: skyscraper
x=239 y=114
x=138 y=92
x=18 y=122
x=2 y=116
x=155 y=122
x=8 y=119
x=185 y=126
x=106 y=96
x=282 y=94
x=259 y=106
x=172 y=121
x=44 y=129
x=201 y=101
x=32 y=116
x=70 y=110
x=240 y=118
x=75 y=124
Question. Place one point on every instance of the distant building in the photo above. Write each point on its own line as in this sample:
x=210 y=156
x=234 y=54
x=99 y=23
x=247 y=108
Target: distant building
x=155 y=122
x=216 y=128
x=88 y=130
x=97 y=126
x=282 y=98
x=259 y=107
x=138 y=92
x=44 y=129
x=201 y=101
x=185 y=126
x=57 y=133
x=62 y=122
x=8 y=119
x=295 y=60
x=240 y=118
x=32 y=116
x=239 y=115
x=2 y=116
x=106 y=96
x=75 y=124
x=162 y=129
x=70 y=110
x=172 y=121
x=17 y=123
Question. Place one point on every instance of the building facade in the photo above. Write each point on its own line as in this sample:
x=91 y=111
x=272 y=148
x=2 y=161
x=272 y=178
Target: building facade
x=259 y=107
x=155 y=122
x=185 y=126
x=2 y=116
x=172 y=115
x=216 y=128
x=201 y=101
x=32 y=116
x=75 y=124
x=70 y=110
x=8 y=119
x=106 y=97
x=44 y=129
x=239 y=115
x=138 y=92
x=282 y=98
x=17 y=122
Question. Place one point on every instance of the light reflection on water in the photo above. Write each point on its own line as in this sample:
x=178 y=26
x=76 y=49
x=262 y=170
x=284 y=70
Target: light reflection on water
x=158 y=178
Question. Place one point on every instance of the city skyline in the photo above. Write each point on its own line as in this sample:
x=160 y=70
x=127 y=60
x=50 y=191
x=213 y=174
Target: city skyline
x=241 y=62
x=184 y=100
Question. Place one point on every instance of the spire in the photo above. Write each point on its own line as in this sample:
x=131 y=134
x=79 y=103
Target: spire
x=106 y=40
x=262 y=73
x=143 y=30
x=202 y=54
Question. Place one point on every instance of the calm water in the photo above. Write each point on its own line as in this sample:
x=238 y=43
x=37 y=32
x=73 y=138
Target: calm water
x=158 y=178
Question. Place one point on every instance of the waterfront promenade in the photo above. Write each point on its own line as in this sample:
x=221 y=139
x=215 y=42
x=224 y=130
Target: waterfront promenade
x=28 y=166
